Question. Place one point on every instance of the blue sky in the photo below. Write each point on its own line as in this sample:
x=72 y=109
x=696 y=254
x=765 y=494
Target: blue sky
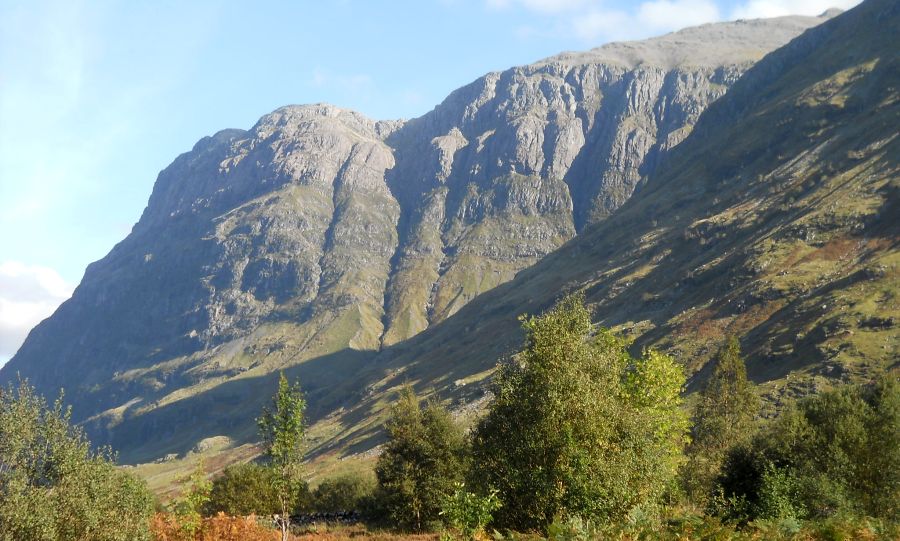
x=97 y=97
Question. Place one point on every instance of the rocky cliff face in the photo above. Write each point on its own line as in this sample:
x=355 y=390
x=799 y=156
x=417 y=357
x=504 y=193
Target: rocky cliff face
x=508 y=168
x=320 y=233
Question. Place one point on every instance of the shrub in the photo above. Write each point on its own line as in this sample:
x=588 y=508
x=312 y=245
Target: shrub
x=467 y=514
x=244 y=489
x=725 y=416
x=421 y=462
x=344 y=493
x=778 y=496
x=833 y=453
x=578 y=426
x=53 y=486
x=189 y=507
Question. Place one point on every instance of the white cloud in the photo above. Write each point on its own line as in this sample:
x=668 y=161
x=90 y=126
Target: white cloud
x=655 y=17
x=540 y=6
x=597 y=26
x=675 y=14
x=358 y=81
x=28 y=294
x=597 y=21
x=755 y=9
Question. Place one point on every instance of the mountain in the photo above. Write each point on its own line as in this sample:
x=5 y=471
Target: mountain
x=349 y=251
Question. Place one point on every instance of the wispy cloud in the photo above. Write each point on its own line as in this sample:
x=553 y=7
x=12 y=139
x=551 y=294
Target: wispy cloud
x=81 y=88
x=541 y=6
x=670 y=14
x=28 y=294
x=596 y=21
x=754 y=9
x=357 y=88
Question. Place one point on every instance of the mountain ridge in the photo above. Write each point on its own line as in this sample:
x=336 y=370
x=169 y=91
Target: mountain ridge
x=687 y=47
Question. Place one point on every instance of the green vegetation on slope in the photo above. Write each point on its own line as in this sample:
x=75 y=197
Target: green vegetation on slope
x=53 y=487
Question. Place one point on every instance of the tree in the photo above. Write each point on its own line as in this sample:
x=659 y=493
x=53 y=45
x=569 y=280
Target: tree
x=421 y=463
x=725 y=416
x=53 y=486
x=577 y=426
x=281 y=428
x=835 y=452
x=244 y=489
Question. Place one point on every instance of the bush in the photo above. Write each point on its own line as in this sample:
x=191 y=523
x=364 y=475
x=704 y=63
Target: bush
x=189 y=506
x=422 y=461
x=578 y=426
x=53 y=486
x=836 y=453
x=691 y=527
x=725 y=416
x=244 y=489
x=344 y=493
x=778 y=497
x=467 y=514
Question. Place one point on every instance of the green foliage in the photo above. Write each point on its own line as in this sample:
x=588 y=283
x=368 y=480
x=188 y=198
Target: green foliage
x=343 y=493
x=189 y=507
x=421 y=462
x=833 y=453
x=778 y=496
x=244 y=489
x=578 y=426
x=467 y=514
x=571 y=528
x=281 y=427
x=53 y=486
x=724 y=417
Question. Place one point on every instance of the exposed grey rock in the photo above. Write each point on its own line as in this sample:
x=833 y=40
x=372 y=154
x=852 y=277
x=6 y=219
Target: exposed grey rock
x=590 y=125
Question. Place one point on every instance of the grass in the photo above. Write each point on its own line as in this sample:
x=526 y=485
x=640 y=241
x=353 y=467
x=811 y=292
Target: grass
x=166 y=477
